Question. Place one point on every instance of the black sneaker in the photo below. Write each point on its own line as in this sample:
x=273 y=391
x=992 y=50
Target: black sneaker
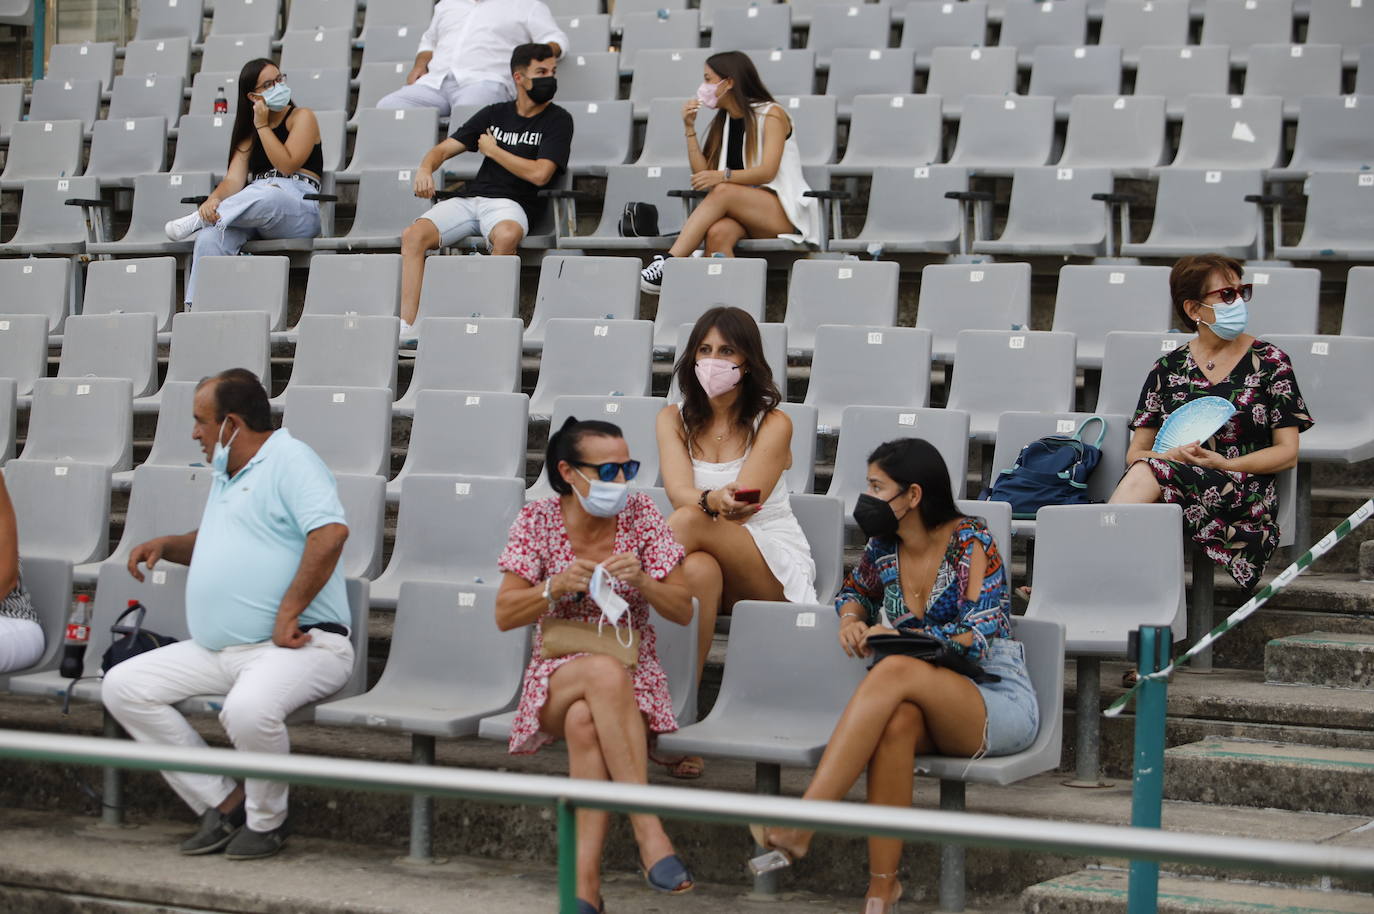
x=217 y=829
x=254 y=845
x=651 y=277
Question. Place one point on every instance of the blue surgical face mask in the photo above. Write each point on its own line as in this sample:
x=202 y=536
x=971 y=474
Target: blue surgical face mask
x=1230 y=319
x=219 y=458
x=277 y=97
x=603 y=499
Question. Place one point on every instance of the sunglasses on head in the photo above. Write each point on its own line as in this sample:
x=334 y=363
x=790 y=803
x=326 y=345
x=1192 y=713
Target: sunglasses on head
x=607 y=472
x=1230 y=293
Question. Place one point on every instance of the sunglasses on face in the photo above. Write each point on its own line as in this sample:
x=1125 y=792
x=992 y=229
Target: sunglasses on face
x=1230 y=293
x=607 y=472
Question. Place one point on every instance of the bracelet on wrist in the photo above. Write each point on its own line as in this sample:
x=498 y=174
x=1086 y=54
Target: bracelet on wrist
x=706 y=506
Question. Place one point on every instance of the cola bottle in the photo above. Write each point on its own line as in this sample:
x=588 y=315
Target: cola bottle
x=221 y=102
x=77 y=637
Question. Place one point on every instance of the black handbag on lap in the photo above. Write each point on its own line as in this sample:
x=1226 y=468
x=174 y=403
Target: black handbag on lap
x=930 y=649
x=639 y=220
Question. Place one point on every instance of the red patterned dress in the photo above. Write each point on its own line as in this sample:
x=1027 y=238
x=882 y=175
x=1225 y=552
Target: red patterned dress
x=538 y=548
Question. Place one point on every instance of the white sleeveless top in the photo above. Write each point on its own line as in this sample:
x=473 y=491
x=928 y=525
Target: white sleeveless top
x=789 y=184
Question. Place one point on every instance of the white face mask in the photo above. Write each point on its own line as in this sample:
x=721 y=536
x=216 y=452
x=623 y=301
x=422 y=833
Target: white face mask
x=603 y=499
x=219 y=458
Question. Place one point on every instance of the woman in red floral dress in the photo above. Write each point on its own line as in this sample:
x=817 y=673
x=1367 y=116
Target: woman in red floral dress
x=604 y=709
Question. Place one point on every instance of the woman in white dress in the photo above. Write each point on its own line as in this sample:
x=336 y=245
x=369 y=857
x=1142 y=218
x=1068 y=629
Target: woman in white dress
x=750 y=166
x=722 y=452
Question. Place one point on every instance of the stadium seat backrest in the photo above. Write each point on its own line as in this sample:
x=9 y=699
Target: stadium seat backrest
x=1284 y=300
x=875 y=72
x=1062 y=73
x=892 y=130
x=1230 y=131
x=1347 y=24
x=1135 y=24
x=172 y=442
x=307 y=49
x=229 y=52
x=959 y=72
x=145 y=285
x=256 y=283
x=866 y=427
x=1243 y=23
x=1334 y=134
x=602 y=134
x=321 y=88
x=205 y=86
x=349 y=284
x=932 y=24
x=393 y=138
x=1340 y=221
x=1294 y=71
x=847 y=25
x=1357 y=317
x=11 y=108
x=65 y=99
x=981 y=296
x=1128 y=357
x=62 y=508
x=46 y=222
x=595 y=358
x=1027 y=27
x=42 y=149
x=127 y=147
x=348 y=427
x=1004 y=132
x=1334 y=374
x=871 y=366
x=800 y=477
x=471 y=287
x=907 y=206
x=661 y=74
x=819 y=516
x=868 y=288
x=692 y=285
x=467 y=354
x=246 y=17
x=473 y=432
x=1202 y=207
x=203 y=143
x=1000 y=370
x=24 y=357
x=147 y=96
x=164 y=500
x=1174 y=73
x=376 y=80
x=1093 y=300
x=87 y=60
x=1055 y=210
x=364 y=503
x=590 y=76
x=111 y=346
x=766 y=26
x=653 y=31
x=83 y=420
x=786 y=73
x=37 y=286
x=159 y=19
x=1015 y=430
x=346 y=351
x=207 y=342
x=309 y=15
x=1124 y=133
x=170 y=56
x=596 y=288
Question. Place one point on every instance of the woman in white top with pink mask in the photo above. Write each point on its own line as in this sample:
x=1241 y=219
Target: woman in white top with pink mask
x=749 y=165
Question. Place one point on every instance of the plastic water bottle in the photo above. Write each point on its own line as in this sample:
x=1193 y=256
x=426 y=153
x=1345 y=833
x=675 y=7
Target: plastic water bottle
x=221 y=102
x=77 y=637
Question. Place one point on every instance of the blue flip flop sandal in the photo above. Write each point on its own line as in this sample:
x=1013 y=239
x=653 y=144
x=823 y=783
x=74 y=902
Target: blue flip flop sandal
x=669 y=875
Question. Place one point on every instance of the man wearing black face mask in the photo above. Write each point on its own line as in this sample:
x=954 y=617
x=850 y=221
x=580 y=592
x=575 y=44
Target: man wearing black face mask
x=526 y=145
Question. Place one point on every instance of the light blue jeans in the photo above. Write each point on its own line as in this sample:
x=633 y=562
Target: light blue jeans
x=267 y=208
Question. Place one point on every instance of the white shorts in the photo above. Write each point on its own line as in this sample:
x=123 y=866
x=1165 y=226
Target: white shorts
x=459 y=217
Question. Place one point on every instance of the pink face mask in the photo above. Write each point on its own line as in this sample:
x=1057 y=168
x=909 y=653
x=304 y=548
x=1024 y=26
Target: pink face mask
x=707 y=94
x=717 y=376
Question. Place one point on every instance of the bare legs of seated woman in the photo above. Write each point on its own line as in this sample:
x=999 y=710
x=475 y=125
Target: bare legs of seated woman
x=729 y=214
x=1137 y=487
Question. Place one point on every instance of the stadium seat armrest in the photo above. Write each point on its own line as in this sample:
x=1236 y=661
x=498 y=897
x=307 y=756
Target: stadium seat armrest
x=81 y=201
x=322 y=198
x=1114 y=198
x=196 y=200
x=829 y=195
x=970 y=196
x=559 y=194
x=689 y=194
x=1264 y=199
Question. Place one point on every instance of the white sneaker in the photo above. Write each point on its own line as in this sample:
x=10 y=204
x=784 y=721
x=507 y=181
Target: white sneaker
x=408 y=339
x=185 y=227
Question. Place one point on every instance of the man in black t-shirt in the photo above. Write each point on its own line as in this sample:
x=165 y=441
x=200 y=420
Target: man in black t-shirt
x=526 y=146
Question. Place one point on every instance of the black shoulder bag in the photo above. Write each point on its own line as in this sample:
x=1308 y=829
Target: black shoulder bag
x=126 y=641
x=639 y=220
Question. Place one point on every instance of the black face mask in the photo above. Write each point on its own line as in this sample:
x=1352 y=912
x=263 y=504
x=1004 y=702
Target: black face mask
x=875 y=516
x=542 y=89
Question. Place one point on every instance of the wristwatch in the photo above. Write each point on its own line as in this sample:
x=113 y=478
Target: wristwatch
x=726 y=179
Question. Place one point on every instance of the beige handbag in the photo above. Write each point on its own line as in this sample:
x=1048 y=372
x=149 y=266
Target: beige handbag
x=561 y=637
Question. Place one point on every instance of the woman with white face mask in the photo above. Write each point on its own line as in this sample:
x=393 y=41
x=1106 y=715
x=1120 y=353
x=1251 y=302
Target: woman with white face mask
x=1226 y=484
x=275 y=160
x=749 y=164
x=596 y=531
x=722 y=452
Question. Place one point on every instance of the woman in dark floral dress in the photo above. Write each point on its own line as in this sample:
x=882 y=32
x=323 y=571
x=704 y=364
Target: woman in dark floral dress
x=1226 y=485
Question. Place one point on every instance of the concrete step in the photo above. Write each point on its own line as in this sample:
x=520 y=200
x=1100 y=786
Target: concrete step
x=1328 y=659
x=1105 y=892
x=1274 y=775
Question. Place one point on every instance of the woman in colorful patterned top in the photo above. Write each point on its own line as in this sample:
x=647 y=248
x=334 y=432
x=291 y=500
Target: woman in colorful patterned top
x=21 y=637
x=604 y=710
x=1226 y=486
x=927 y=568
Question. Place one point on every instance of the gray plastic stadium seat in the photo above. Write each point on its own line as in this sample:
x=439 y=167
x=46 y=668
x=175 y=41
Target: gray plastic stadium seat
x=870 y=366
x=820 y=520
x=691 y=285
x=599 y=288
x=349 y=427
x=1334 y=134
x=813 y=124
x=1017 y=429
x=205 y=86
x=1230 y=132
x=336 y=351
x=637 y=418
x=1243 y=23
x=364 y=503
x=11 y=109
x=87 y=60
x=124 y=148
x=1334 y=374
x=229 y=52
x=1175 y=73
x=465 y=354
x=1196 y=209
x=170 y=19
x=24 y=355
x=62 y=509
x=66 y=100
x=321 y=88
x=9 y=418
x=765 y=26
x=1010 y=370
x=49 y=583
x=635 y=183
x=1054 y=211
x=111 y=346
x=390 y=139
x=207 y=342
x=774 y=338
x=602 y=133
x=998 y=133
x=450 y=528
x=203 y=143
x=866 y=427
x=1062 y=73
x=956 y=73
x=1135 y=24
x=1357 y=316
x=244 y=17
x=980 y=296
x=1285 y=300
x=309 y=49
x=46 y=224
x=147 y=96
x=575 y=7
x=157 y=198
x=592 y=30
x=661 y=74
x=333 y=142
x=1121 y=132
x=815 y=286
x=663 y=142
x=593 y=358
x=1128 y=356
x=908 y=211
x=710 y=9
x=386 y=205
x=353 y=284
x=142 y=286
x=1340 y=218
x=1294 y=71
x=82 y=420
x=1348 y=24
x=37 y=286
x=172 y=442
x=42 y=149
x=890 y=71
x=471 y=287
x=245 y=284
x=931 y=24
x=800 y=477
x=307 y=15
x=473 y=432
x=1028 y=27
x=163 y=500
x=847 y=25
x=786 y=72
x=169 y=56
x=592 y=76
x=378 y=80
x=625 y=8
x=891 y=130
x=1094 y=300
x=384 y=46
x=654 y=32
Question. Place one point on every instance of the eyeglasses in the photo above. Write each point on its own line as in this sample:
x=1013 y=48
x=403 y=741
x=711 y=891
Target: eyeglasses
x=281 y=78
x=1230 y=293
x=607 y=472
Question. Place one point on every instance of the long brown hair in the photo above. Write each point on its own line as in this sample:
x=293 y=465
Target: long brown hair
x=243 y=117
x=758 y=395
x=749 y=91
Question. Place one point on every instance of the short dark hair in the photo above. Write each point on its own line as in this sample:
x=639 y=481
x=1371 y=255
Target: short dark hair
x=238 y=391
x=915 y=461
x=1188 y=278
x=526 y=54
x=566 y=444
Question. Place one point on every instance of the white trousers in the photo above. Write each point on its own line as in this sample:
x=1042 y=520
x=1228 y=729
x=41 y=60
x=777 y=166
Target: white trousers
x=450 y=95
x=262 y=684
x=21 y=643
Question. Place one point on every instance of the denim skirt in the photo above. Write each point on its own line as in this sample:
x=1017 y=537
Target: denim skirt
x=1013 y=714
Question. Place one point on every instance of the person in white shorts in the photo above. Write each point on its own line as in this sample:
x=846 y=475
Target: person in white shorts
x=525 y=143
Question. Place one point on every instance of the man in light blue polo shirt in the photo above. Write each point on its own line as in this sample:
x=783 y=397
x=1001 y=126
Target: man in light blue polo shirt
x=265 y=606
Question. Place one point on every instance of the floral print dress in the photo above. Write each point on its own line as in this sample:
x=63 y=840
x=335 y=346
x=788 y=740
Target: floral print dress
x=538 y=548
x=1232 y=515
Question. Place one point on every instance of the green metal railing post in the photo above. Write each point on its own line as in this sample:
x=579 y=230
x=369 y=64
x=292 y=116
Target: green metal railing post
x=40 y=36
x=567 y=857
x=1153 y=644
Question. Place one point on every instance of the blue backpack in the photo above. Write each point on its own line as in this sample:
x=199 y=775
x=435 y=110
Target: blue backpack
x=1049 y=471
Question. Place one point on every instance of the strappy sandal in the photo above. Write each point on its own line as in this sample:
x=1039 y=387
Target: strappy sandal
x=684 y=768
x=669 y=875
x=878 y=905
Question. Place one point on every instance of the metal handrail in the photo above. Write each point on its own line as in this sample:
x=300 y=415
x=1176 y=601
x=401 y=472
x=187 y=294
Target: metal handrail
x=565 y=794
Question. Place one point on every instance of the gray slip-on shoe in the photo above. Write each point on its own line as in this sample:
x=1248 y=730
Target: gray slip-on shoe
x=254 y=845
x=216 y=830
